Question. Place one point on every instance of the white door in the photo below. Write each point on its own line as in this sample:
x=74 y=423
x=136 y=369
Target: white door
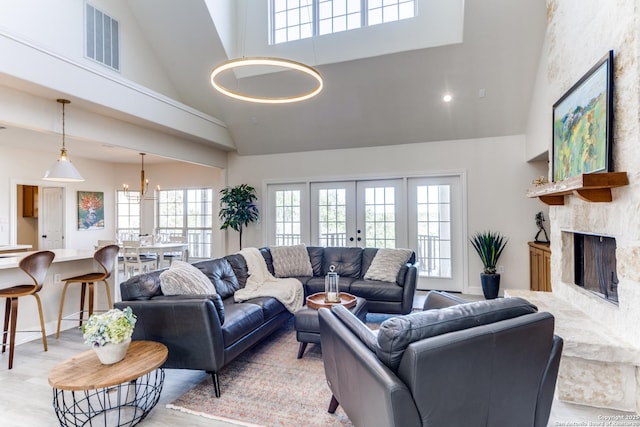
x=333 y=213
x=381 y=212
x=358 y=213
x=436 y=230
x=289 y=208
x=52 y=214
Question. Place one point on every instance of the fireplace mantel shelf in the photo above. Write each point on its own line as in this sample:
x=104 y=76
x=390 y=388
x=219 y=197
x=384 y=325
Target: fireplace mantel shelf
x=593 y=187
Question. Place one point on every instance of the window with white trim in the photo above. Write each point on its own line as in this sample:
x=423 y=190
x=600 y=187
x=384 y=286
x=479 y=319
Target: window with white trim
x=287 y=220
x=189 y=213
x=127 y=215
x=287 y=210
x=300 y=19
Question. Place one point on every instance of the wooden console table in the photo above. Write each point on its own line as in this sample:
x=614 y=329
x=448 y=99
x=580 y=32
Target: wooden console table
x=86 y=392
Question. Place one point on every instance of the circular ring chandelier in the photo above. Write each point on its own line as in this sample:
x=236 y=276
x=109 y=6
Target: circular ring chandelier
x=275 y=62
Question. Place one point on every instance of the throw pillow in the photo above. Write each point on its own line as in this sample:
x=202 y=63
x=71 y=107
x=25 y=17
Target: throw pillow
x=183 y=278
x=291 y=261
x=387 y=263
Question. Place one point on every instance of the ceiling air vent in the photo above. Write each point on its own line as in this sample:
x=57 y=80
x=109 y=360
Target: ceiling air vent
x=102 y=38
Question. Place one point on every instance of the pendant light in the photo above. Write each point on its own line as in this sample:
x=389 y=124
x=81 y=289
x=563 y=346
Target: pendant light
x=144 y=185
x=275 y=62
x=63 y=170
x=282 y=63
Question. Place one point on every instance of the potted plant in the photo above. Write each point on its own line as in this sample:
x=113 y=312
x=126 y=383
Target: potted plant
x=109 y=334
x=489 y=246
x=237 y=208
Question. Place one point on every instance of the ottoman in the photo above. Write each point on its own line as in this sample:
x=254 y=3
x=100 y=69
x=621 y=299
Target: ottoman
x=307 y=324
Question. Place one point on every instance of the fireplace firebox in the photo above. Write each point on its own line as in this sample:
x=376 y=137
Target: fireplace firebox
x=595 y=265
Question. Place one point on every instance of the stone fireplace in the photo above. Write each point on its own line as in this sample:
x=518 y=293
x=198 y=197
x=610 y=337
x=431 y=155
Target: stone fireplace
x=594 y=265
x=600 y=359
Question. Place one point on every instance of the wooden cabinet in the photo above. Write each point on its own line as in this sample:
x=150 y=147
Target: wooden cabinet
x=540 y=266
x=30 y=201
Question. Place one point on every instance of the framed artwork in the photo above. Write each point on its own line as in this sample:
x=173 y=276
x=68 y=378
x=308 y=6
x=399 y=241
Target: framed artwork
x=90 y=210
x=583 y=123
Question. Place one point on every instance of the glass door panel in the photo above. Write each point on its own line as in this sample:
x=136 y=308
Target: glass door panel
x=435 y=224
x=333 y=213
x=380 y=214
x=289 y=209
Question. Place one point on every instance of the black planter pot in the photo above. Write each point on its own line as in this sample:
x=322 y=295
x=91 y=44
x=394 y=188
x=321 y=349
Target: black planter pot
x=490 y=285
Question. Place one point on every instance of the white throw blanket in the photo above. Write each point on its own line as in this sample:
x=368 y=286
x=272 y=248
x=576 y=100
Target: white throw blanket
x=261 y=283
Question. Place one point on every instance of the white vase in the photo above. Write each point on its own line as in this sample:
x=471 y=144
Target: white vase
x=112 y=353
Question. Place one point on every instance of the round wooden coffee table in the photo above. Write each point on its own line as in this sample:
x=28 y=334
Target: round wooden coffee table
x=317 y=301
x=86 y=392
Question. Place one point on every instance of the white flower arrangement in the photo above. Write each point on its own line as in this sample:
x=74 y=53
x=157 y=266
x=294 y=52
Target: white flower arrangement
x=114 y=326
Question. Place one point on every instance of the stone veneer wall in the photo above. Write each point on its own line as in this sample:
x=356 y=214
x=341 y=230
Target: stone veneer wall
x=579 y=33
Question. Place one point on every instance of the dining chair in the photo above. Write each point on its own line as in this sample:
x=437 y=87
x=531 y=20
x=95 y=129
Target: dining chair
x=106 y=259
x=134 y=260
x=182 y=255
x=35 y=266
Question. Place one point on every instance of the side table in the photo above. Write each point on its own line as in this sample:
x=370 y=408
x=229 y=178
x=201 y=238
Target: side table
x=86 y=392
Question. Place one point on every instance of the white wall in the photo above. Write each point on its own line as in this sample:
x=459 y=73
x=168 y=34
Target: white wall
x=497 y=179
x=58 y=26
x=539 y=134
x=21 y=166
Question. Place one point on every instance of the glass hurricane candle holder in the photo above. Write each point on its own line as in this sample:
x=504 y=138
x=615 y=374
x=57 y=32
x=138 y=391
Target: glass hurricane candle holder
x=331 y=286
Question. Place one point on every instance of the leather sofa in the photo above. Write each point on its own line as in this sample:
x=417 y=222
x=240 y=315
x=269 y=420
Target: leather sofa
x=478 y=364
x=352 y=265
x=206 y=332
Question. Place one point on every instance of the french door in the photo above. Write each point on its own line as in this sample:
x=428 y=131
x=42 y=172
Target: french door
x=425 y=214
x=436 y=229
x=367 y=213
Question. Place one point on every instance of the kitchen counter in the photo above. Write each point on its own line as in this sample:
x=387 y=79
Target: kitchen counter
x=14 y=248
x=67 y=263
x=11 y=260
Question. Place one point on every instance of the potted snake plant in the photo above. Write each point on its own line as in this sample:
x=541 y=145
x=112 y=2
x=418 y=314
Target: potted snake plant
x=489 y=246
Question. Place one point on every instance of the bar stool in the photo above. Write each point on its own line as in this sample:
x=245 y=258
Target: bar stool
x=36 y=266
x=105 y=257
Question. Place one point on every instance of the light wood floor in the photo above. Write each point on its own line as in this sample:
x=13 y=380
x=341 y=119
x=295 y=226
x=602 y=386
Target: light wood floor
x=26 y=397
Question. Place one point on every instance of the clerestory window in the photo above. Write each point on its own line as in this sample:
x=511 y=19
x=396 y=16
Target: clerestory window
x=299 y=19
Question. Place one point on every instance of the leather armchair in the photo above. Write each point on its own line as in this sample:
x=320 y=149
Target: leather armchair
x=482 y=364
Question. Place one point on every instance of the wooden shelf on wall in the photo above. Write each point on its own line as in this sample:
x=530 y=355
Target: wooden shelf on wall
x=592 y=187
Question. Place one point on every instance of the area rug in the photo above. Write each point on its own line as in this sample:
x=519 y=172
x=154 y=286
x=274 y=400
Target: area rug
x=268 y=386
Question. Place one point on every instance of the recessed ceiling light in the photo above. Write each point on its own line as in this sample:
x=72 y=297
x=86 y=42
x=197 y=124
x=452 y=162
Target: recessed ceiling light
x=447 y=98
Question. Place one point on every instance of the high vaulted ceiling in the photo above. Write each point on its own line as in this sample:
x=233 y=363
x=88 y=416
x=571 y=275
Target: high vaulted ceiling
x=384 y=100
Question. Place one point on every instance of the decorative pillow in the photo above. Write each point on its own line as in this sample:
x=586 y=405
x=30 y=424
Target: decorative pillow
x=183 y=278
x=291 y=261
x=387 y=263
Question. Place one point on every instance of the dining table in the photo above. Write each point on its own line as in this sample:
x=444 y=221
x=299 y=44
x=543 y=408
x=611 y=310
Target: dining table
x=161 y=248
